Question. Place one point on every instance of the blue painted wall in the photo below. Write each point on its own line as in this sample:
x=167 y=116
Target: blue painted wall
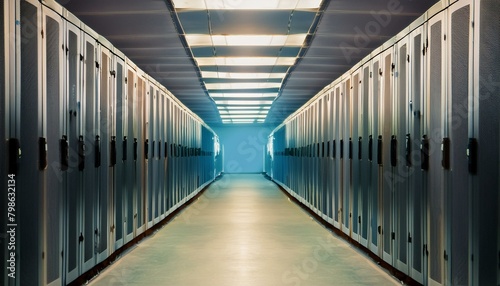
x=243 y=147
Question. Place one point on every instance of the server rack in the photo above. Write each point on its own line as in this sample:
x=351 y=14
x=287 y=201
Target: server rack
x=77 y=123
x=421 y=190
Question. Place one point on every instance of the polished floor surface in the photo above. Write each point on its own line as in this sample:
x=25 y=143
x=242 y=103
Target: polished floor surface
x=243 y=231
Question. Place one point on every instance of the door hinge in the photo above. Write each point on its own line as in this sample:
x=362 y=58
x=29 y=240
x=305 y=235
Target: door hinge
x=96 y=231
x=425 y=251
x=96 y=64
x=82 y=57
x=445 y=256
x=359 y=219
x=41 y=33
x=393 y=235
x=80 y=238
x=409 y=238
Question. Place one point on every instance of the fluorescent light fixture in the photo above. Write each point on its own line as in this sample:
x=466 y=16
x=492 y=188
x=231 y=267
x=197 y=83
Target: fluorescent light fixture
x=249 y=112
x=242 y=85
x=243 y=116
x=248 y=5
x=207 y=74
x=246 y=61
x=244 y=102
x=242 y=95
x=229 y=107
x=196 y=40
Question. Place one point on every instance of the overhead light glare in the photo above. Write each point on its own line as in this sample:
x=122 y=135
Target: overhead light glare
x=229 y=107
x=245 y=61
x=247 y=112
x=242 y=85
x=248 y=5
x=293 y=40
x=243 y=116
x=235 y=75
x=244 y=102
x=243 y=95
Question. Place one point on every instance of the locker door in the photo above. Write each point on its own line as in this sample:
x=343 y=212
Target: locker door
x=374 y=189
x=324 y=156
x=337 y=199
x=74 y=184
x=401 y=170
x=120 y=187
x=106 y=171
x=141 y=163
x=165 y=154
x=53 y=78
x=169 y=150
x=89 y=132
x=30 y=130
x=345 y=121
x=387 y=182
x=129 y=156
x=4 y=117
x=156 y=156
x=365 y=132
x=417 y=199
x=435 y=188
x=459 y=88
x=353 y=153
x=331 y=162
x=150 y=145
x=161 y=157
x=485 y=184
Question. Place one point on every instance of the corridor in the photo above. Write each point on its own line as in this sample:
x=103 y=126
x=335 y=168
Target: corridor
x=243 y=230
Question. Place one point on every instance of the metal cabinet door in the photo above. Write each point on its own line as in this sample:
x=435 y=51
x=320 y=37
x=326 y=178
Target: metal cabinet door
x=150 y=160
x=486 y=185
x=365 y=132
x=417 y=213
x=386 y=111
x=345 y=122
x=353 y=153
x=337 y=171
x=435 y=101
x=104 y=223
x=400 y=172
x=120 y=186
x=53 y=78
x=141 y=163
x=374 y=189
x=128 y=155
x=75 y=183
x=459 y=86
x=89 y=131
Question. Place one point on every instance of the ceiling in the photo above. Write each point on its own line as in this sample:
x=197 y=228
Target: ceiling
x=164 y=40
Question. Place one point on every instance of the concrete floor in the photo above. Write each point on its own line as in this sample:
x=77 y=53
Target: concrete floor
x=243 y=231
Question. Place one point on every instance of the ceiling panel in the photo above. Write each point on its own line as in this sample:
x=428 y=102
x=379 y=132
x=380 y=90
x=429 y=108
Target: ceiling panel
x=145 y=31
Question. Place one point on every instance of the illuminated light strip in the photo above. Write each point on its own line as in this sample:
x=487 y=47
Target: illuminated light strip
x=243 y=116
x=242 y=85
x=246 y=61
x=244 y=102
x=242 y=95
x=235 y=75
x=203 y=40
x=248 y=5
x=229 y=107
x=244 y=112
